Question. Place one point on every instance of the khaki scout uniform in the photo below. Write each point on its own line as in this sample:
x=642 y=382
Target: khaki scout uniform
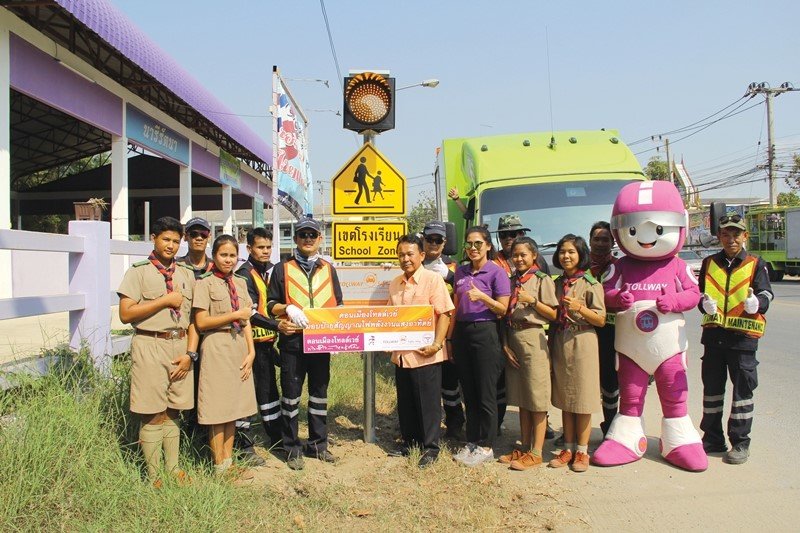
x=158 y=340
x=574 y=352
x=529 y=385
x=222 y=396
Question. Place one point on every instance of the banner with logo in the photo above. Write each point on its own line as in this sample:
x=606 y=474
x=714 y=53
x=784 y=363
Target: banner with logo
x=368 y=329
x=292 y=168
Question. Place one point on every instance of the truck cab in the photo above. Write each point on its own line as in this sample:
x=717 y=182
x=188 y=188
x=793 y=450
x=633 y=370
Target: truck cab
x=558 y=183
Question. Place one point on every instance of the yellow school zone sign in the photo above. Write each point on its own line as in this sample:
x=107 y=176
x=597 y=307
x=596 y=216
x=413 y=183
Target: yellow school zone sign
x=369 y=185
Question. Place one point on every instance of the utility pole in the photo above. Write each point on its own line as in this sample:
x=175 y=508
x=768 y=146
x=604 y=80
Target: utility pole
x=769 y=93
x=669 y=164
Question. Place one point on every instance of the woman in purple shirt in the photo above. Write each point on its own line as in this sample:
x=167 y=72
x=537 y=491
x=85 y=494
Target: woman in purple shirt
x=482 y=291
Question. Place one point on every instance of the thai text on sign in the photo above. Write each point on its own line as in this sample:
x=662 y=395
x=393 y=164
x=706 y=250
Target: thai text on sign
x=367 y=241
x=368 y=329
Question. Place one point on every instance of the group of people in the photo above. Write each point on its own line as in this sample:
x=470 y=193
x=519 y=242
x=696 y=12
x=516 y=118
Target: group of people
x=548 y=341
x=209 y=333
x=204 y=340
x=492 y=336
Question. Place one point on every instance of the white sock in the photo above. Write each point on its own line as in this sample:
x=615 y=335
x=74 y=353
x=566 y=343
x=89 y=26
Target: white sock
x=569 y=446
x=583 y=449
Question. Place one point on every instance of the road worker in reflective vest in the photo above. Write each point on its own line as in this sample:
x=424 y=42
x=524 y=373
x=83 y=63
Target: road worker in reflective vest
x=736 y=295
x=435 y=237
x=256 y=270
x=303 y=281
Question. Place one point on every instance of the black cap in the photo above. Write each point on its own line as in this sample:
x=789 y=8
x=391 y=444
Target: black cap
x=197 y=221
x=435 y=227
x=307 y=223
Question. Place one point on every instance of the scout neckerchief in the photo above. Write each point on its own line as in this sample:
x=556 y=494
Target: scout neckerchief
x=228 y=278
x=563 y=310
x=519 y=281
x=500 y=259
x=599 y=263
x=167 y=273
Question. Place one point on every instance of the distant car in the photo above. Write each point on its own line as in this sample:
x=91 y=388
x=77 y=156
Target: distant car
x=705 y=252
x=693 y=259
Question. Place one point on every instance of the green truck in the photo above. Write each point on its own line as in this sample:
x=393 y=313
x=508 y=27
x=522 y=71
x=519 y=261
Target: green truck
x=774 y=235
x=558 y=183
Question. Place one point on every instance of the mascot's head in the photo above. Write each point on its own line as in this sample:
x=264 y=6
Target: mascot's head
x=648 y=220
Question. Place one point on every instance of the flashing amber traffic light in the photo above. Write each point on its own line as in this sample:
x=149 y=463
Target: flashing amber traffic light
x=368 y=102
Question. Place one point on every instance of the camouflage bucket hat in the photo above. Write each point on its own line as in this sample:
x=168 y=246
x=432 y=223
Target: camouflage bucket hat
x=510 y=223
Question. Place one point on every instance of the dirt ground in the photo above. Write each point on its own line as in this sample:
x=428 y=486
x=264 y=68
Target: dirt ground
x=388 y=493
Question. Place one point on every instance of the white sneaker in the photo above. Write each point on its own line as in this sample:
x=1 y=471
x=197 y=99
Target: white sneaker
x=479 y=456
x=465 y=452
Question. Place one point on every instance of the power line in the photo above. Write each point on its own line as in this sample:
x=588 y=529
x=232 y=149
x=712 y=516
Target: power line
x=732 y=113
x=330 y=41
x=679 y=130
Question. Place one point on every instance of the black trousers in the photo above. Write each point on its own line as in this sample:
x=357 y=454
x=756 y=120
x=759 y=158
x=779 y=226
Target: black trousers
x=609 y=382
x=418 y=405
x=267 y=396
x=451 y=397
x=718 y=364
x=294 y=368
x=502 y=403
x=479 y=360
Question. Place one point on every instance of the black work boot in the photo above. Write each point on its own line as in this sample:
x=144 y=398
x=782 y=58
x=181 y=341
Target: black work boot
x=246 y=451
x=738 y=454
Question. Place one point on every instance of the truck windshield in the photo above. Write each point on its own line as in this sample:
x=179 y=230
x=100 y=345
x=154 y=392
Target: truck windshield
x=552 y=210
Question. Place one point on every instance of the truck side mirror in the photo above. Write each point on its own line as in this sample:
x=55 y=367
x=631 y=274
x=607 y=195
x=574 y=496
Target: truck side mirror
x=718 y=210
x=451 y=246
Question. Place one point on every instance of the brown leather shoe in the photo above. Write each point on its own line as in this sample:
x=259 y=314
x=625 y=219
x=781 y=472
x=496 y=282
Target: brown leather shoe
x=509 y=457
x=526 y=461
x=563 y=459
x=581 y=462
x=182 y=478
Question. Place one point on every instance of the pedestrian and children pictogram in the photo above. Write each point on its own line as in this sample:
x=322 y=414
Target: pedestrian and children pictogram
x=368 y=184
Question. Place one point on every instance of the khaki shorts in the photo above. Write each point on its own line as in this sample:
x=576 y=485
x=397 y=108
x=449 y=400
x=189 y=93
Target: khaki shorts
x=151 y=390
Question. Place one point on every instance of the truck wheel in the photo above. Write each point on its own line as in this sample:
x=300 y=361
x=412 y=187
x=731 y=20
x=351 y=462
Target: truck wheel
x=774 y=275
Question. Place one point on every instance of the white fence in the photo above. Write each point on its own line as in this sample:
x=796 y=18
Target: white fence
x=94 y=267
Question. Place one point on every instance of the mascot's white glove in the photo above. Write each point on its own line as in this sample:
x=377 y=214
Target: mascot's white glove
x=297 y=316
x=439 y=267
x=709 y=305
x=751 y=302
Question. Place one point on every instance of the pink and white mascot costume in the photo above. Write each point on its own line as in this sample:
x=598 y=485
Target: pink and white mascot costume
x=650 y=288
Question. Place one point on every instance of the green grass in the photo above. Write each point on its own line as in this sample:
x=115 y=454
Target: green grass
x=69 y=461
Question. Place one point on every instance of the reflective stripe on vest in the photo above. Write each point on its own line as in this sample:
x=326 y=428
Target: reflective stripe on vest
x=261 y=334
x=302 y=291
x=730 y=292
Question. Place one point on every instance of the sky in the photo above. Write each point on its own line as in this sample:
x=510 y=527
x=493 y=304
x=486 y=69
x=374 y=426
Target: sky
x=643 y=68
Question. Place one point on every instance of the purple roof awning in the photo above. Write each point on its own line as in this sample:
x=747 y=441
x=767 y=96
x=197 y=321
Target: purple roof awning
x=105 y=19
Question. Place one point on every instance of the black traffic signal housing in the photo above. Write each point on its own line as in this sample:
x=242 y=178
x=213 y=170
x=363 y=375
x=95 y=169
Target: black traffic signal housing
x=368 y=102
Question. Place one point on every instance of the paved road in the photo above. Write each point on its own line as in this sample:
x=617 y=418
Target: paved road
x=759 y=495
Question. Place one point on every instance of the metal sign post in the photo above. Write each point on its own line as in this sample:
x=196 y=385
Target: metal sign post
x=369 y=364
x=369 y=396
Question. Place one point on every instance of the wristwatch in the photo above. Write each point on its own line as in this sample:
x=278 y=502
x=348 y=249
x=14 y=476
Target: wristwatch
x=194 y=356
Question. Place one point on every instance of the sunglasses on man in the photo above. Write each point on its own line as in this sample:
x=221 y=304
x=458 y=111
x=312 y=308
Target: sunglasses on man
x=434 y=240
x=511 y=234
x=307 y=235
x=730 y=218
x=199 y=234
